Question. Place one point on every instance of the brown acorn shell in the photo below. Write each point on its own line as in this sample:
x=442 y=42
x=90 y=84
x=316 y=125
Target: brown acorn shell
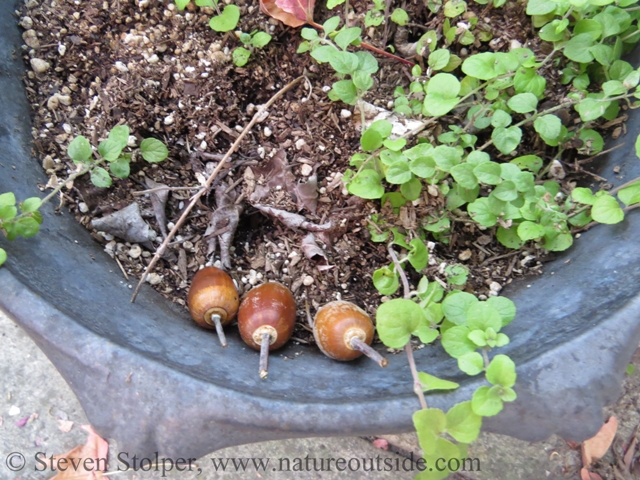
x=333 y=321
x=269 y=304
x=212 y=291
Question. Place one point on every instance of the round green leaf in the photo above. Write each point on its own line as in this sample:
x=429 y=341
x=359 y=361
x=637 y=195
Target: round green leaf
x=120 y=168
x=429 y=383
x=482 y=315
x=480 y=211
x=462 y=423
x=509 y=237
x=344 y=62
x=630 y=195
x=396 y=320
x=455 y=306
x=463 y=174
x=3 y=256
x=227 y=20
x=445 y=85
x=488 y=173
x=506 y=139
x=153 y=150
x=399 y=173
x=505 y=307
x=502 y=371
x=26 y=227
x=481 y=66
x=385 y=280
x=523 y=103
x=30 y=205
x=100 y=177
x=506 y=190
x=528 y=230
x=400 y=17
x=79 y=149
x=412 y=189
x=606 y=209
x=456 y=343
x=260 y=39
x=119 y=135
x=7 y=199
x=439 y=59
x=583 y=195
x=240 y=56
x=548 y=126
x=366 y=184
x=418 y=255
x=485 y=402
x=471 y=363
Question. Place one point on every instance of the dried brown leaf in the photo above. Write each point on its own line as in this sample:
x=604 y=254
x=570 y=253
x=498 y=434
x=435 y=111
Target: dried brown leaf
x=159 y=203
x=312 y=251
x=293 y=220
x=307 y=194
x=126 y=224
x=223 y=225
x=85 y=462
x=596 y=447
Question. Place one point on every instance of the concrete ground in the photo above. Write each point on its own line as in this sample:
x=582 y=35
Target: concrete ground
x=39 y=413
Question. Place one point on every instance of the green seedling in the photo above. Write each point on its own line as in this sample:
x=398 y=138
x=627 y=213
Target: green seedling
x=255 y=39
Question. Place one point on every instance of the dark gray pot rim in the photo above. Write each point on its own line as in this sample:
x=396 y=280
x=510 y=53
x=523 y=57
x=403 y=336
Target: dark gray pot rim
x=148 y=377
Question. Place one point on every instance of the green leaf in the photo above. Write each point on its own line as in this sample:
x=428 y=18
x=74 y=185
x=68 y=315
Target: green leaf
x=506 y=191
x=530 y=231
x=482 y=315
x=119 y=135
x=400 y=17
x=506 y=139
x=533 y=163
x=558 y=243
x=396 y=320
x=312 y=33
x=79 y=150
x=100 y=177
x=463 y=174
x=439 y=59
x=181 y=4
x=346 y=36
x=371 y=139
x=430 y=383
x=606 y=209
x=30 y=205
x=480 y=211
x=412 y=189
x=385 y=280
x=507 y=394
x=366 y=184
x=509 y=237
x=344 y=62
x=3 y=256
x=418 y=256
x=323 y=53
x=480 y=66
x=488 y=173
x=548 y=126
x=7 y=199
x=453 y=8
x=429 y=424
x=578 y=48
x=7 y=212
x=240 y=56
x=527 y=80
x=444 y=84
x=590 y=109
x=462 y=423
x=227 y=20
x=541 y=7
x=500 y=118
x=260 y=39
x=485 y=402
x=613 y=88
x=331 y=4
x=455 y=306
x=502 y=371
x=523 y=103
x=630 y=195
x=153 y=150
x=399 y=173
x=505 y=307
x=120 y=168
x=471 y=363
x=346 y=90
x=26 y=227
x=423 y=167
x=583 y=195
x=456 y=343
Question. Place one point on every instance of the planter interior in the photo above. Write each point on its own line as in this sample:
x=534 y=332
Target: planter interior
x=148 y=377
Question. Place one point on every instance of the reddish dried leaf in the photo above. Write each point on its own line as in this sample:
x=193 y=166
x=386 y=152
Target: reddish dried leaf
x=23 y=421
x=595 y=448
x=84 y=462
x=381 y=443
x=294 y=13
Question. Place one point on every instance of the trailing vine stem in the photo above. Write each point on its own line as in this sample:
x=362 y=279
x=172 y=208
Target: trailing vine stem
x=417 y=384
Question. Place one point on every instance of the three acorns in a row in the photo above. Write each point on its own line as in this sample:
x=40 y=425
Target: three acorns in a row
x=267 y=315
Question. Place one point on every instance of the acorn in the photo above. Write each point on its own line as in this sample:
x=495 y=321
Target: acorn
x=343 y=331
x=213 y=300
x=266 y=319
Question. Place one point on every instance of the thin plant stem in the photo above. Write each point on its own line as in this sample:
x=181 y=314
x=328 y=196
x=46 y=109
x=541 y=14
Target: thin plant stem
x=417 y=384
x=209 y=181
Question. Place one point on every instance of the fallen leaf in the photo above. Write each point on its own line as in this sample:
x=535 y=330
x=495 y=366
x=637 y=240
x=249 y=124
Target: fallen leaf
x=126 y=224
x=595 y=448
x=312 y=251
x=381 y=443
x=293 y=13
x=159 y=202
x=223 y=225
x=85 y=462
x=276 y=174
